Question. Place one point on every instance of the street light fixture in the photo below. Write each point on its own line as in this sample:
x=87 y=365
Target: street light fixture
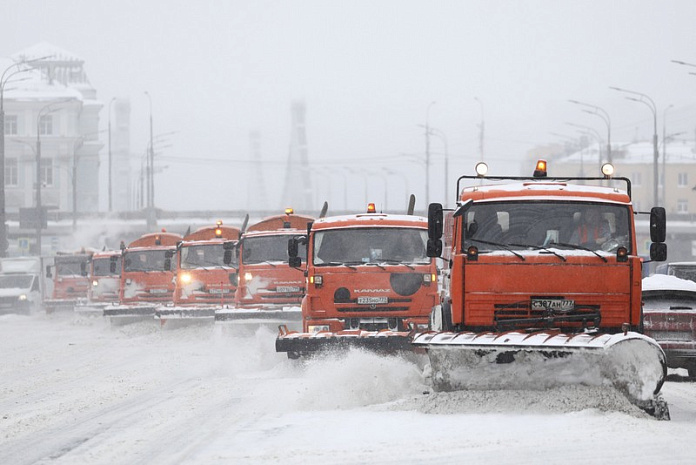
x=442 y=136
x=604 y=115
x=644 y=99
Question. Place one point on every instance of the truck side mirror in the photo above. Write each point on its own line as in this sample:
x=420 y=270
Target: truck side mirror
x=112 y=266
x=294 y=260
x=658 y=224
x=229 y=247
x=168 y=254
x=434 y=248
x=83 y=268
x=435 y=220
x=658 y=251
x=48 y=271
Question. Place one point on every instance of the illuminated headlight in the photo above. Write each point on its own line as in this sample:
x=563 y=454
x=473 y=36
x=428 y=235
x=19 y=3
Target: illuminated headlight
x=248 y=276
x=23 y=297
x=95 y=283
x=317 y=328
x=185 y=278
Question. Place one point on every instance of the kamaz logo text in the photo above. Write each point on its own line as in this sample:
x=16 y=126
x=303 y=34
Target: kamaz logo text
x=370 y=290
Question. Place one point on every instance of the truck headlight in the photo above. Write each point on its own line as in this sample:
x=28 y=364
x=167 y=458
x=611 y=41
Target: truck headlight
x=95 y=283
x=185 y=278
x=248 y=276
x=23 y=297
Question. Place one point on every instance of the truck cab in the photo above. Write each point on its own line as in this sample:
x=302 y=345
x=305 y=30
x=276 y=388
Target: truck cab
x=265 y=279
x=202 y=276
x=146 y=273
x=70 y=274
x=367 y=272
x=105 y=277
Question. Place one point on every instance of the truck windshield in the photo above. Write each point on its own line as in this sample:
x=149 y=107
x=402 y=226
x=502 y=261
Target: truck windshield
x=268 y=249
x=144 y=260
x=565 y=225
x=15 y=282
x=71 y=267
x=371 y=245
x=102 y=266
x=202 y=256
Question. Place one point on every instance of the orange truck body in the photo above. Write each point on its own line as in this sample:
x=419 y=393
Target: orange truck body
x=144 y=275
x=105 y=276
x=368 y=272
x=265 y=279
x=202 y=277
x=533 y=280
x=71 y=280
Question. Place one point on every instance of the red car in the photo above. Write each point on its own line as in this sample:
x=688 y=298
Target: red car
x=669 y=308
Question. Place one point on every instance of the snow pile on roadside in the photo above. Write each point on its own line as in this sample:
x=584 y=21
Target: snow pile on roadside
x=564 y=399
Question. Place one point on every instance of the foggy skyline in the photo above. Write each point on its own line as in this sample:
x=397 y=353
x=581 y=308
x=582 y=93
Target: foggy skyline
x=368 y=73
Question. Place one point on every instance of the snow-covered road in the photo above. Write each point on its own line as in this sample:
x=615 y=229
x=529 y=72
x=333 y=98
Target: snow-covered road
x=82 y=392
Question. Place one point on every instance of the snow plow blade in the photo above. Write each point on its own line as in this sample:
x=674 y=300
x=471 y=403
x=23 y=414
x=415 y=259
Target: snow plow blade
x=125 y=314
x=296 y=344
x=59 y=305
x=174 y=317
x=633 y=363
x=278 y=314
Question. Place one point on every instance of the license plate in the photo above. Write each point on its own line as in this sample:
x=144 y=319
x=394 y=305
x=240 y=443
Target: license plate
x=288 y=289
x=558 y=305
x=158 y=291
x=372 y=300
x=219 y=291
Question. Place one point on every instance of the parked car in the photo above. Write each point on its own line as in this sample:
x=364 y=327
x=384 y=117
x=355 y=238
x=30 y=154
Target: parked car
x=669 y=308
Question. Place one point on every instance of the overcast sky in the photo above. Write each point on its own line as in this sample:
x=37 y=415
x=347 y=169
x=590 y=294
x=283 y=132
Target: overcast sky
x=368 y=72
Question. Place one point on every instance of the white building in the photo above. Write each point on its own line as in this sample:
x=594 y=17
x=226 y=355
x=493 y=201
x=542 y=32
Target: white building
x=51 y=111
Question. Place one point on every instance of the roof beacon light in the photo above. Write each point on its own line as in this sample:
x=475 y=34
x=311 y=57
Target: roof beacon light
x=371 y=208
x=218 y=232
x=289 y=211
x=608 y=170
x=481 y=169
x=540 y=170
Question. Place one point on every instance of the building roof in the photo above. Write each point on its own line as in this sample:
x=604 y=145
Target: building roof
x=635 y=153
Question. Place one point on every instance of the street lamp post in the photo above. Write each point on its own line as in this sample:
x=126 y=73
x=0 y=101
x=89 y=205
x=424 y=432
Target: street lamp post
x=110 y=191
x=644 y=99
x=481 y=128
x=593 y=132
x=604 y=115
x=442 y=136
x=427 y=153
x=151 y=218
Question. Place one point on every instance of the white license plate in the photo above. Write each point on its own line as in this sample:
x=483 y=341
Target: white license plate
x=559 y=305
x=158 y=291
x=372 y=300
x=288 y=289
x=219 y=291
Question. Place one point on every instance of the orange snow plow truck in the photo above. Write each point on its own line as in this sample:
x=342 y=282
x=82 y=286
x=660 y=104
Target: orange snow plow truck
x=544 y=288
x=146 y=277
x=268 y=288
x=204 y=281
x=70 y=282
x=370 y=283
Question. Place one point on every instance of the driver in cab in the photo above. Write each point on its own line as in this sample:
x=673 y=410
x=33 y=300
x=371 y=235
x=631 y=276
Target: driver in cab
x=593 y=229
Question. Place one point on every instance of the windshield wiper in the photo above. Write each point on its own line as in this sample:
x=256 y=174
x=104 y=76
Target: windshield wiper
x=502 y=246
x=337 y=264
x=579 y=247
x=391 y=261
x=539 y=247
